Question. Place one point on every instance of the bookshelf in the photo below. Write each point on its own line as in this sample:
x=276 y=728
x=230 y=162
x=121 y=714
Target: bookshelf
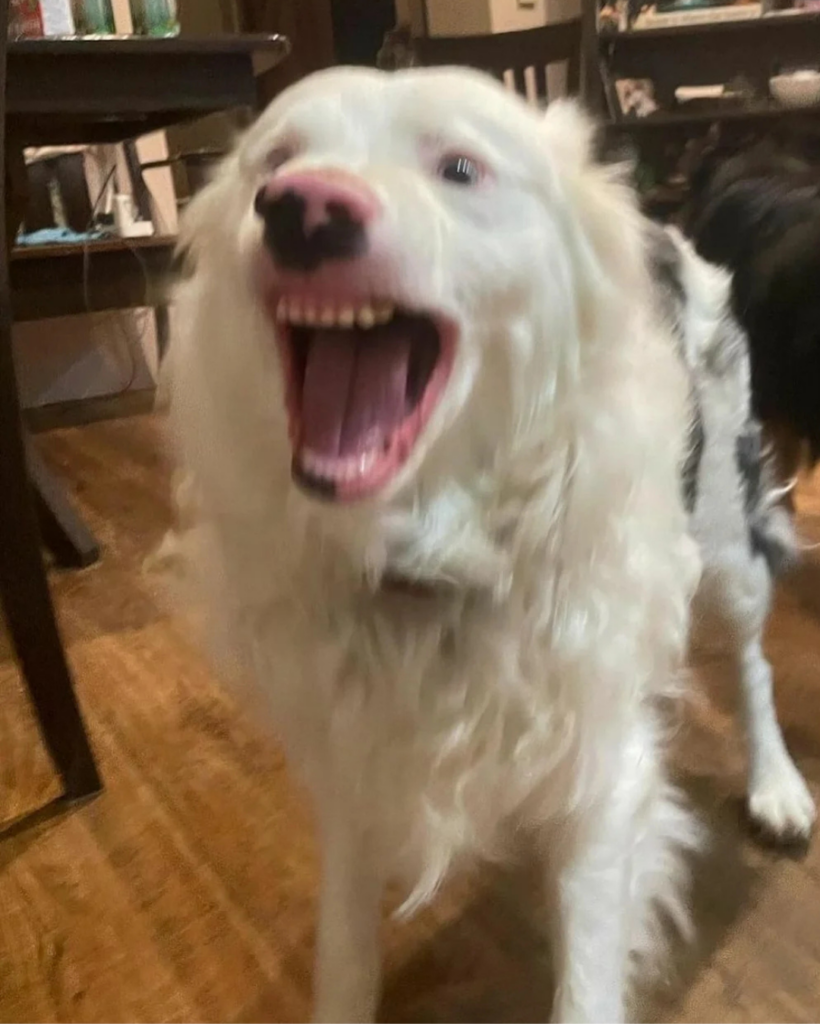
x=700 y=54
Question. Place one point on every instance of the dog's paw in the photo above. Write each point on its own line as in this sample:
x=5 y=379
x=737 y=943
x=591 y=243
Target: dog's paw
x=781 y=806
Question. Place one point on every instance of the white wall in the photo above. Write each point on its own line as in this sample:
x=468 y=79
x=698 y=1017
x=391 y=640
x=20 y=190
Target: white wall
x=478 y=17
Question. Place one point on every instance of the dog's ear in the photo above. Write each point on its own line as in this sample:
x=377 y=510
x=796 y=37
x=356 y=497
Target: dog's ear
x=603 y=222
x=204 y=217
x=569 y=133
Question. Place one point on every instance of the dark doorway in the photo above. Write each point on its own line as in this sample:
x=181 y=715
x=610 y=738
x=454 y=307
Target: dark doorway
x=359 y=27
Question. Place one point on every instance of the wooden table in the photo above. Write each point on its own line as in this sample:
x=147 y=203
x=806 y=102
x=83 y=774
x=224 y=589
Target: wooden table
x=74 y=91
x=108 y=90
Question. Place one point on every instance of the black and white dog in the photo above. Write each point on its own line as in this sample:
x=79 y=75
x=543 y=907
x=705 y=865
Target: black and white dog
x=744 y=534
x=756 y=211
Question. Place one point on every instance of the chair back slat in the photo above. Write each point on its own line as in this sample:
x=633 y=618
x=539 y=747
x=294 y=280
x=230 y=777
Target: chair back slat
x=511 y=55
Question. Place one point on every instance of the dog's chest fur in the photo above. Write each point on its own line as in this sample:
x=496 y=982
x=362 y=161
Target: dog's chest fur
x=432 y=708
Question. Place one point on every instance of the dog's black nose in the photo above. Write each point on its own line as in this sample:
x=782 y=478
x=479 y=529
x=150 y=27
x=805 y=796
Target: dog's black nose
x=311 y=218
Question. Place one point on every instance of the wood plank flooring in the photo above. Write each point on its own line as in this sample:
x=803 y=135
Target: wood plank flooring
x=186 y=892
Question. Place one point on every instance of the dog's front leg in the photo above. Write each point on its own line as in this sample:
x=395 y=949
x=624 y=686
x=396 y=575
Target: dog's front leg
x=588 y=887
x=347 y=956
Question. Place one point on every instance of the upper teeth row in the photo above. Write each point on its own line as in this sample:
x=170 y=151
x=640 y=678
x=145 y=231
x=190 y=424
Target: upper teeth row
x=296 y=311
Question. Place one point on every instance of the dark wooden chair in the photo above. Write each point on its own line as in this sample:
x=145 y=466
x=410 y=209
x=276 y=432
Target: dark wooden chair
x=24 y=593
x=509 y=55
x=308 y=24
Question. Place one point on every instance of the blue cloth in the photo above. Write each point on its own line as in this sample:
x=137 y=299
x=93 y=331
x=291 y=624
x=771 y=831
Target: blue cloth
x=57 y=236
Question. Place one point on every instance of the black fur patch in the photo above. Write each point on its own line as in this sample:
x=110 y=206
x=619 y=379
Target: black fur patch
x=748 y=456
x=778 y=558
x=691 y=466
x=757 y=212
x=665 y=267
x=749 y=459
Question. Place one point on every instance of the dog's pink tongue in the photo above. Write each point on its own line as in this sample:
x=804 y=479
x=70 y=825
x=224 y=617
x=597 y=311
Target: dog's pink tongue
x=354 y=391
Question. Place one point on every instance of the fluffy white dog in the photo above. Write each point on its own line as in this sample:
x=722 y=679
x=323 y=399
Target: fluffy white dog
x=435 y=422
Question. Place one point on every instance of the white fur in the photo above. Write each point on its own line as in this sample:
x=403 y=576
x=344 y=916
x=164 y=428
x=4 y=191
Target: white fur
x=542 y=503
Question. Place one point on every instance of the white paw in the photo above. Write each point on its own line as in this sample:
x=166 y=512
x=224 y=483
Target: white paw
x=781 y=806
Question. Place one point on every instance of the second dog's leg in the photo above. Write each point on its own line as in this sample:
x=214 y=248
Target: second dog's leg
x=739 y=589
x=347 y=956
x=779 y=799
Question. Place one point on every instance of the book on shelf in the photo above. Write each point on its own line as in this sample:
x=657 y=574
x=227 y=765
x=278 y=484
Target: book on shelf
x=652 y=18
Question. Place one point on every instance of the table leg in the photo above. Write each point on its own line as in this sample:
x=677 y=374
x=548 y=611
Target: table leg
x=64 y=533
x=24 y=592
x=27 y=606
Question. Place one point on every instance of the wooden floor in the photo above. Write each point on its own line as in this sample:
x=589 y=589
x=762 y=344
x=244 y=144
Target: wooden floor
x=186 y=892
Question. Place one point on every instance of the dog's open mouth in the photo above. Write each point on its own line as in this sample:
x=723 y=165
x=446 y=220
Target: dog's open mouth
x=362 y=382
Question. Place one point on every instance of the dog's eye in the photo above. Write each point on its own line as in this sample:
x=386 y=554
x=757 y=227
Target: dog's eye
x=459 y=170
x=280 y=155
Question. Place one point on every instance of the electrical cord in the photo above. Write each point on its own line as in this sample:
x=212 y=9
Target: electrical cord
x=127 y=335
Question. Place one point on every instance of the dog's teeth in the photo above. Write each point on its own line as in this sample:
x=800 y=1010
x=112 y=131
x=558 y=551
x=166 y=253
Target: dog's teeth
x=337 y=469
x=313 y=463
x=311 y=314
x=366 y=317
x=358 y=466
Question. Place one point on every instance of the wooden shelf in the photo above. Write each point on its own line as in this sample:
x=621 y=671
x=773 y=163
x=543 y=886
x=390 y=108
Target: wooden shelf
x=106 y=274
x=682 y=118
x=638 y=37
x=92 y=247
x=705 y=54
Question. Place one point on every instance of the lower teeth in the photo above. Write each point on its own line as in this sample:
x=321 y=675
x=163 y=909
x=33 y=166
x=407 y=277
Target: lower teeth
x=320 y=465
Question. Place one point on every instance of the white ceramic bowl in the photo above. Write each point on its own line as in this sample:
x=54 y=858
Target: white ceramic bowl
x=797 y=89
